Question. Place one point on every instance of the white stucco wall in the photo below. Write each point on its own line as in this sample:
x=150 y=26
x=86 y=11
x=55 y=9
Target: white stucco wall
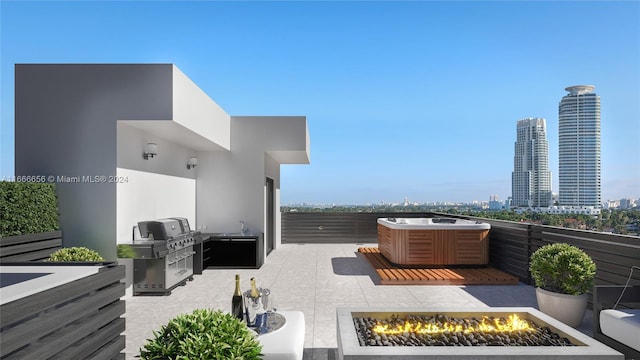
x=231 y=186
x=138 y=200
x=172 y=158
x=272 y=170
x=151 y=189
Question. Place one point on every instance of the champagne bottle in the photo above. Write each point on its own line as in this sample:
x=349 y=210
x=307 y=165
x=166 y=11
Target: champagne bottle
x=254 y=289
x=257 y=304
x=237 y=306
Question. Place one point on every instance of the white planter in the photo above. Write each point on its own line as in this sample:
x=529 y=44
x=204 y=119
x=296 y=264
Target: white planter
x=568 y=309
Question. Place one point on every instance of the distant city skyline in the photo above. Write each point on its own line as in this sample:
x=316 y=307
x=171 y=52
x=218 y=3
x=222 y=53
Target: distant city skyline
x=413 y=99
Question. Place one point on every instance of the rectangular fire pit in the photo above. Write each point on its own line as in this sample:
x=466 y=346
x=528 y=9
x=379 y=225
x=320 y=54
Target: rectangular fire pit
x=349 y=347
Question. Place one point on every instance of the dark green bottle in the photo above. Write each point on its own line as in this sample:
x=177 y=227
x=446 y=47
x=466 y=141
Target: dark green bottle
x=237 y=305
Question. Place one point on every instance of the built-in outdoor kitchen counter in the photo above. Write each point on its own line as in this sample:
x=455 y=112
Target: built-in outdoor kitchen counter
x=232 y=250
x=61 y=310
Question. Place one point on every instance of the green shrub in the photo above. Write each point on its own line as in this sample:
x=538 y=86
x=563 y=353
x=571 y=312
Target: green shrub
x=75 y=254
x=126 y=251
x=204 y=335
x=562 y=268
x=27 y=208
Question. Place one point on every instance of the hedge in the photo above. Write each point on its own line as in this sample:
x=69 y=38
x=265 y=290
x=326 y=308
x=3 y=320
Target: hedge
x=27 y=208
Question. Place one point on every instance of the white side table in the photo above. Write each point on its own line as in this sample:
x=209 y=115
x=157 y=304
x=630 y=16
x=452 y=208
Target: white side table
x=286 y=343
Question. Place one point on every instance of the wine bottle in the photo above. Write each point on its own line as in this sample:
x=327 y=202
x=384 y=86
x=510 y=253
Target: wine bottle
x=237 y=305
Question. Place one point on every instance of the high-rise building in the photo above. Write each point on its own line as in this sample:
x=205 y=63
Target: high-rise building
x=579 y=147
x=531 y=178
x=494 y=203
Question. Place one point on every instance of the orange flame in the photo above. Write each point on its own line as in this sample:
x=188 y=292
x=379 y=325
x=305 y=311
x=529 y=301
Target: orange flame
x=513 y=323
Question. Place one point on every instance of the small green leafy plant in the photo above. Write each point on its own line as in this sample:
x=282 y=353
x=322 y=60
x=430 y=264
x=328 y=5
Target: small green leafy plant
x=75 y=254
x=562 y=268
x=126 y=251
x=205 y=335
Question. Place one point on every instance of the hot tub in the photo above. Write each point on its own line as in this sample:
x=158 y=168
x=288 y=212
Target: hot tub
x=433 y=241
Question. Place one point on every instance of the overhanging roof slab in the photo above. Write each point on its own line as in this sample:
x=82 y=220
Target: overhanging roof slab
x=284 y=138
x=198 y=113
x=177 y=133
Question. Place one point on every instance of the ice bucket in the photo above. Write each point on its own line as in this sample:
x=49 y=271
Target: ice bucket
x=256 y=308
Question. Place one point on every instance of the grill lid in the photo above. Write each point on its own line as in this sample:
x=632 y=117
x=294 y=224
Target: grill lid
x=161 y=229
x=184 y=223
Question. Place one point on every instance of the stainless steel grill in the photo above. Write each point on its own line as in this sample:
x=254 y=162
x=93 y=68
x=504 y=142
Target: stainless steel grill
x=164 y=255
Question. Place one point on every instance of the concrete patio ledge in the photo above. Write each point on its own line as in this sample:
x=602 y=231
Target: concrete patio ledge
x=350 y=349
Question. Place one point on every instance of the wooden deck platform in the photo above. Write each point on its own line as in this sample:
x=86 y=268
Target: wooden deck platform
x=394 y=275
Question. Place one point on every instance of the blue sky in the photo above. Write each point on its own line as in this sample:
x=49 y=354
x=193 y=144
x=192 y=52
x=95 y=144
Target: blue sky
x=412 y=99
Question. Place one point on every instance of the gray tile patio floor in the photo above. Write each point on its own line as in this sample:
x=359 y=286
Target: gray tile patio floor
x=316 y=279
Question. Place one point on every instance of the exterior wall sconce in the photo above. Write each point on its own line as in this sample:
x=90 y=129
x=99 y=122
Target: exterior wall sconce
x=150 y=151
x=193 y=162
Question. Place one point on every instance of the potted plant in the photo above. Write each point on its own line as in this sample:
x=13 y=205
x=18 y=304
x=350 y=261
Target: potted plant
x=563 y=274
x=203 y=334
x=78 y=253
